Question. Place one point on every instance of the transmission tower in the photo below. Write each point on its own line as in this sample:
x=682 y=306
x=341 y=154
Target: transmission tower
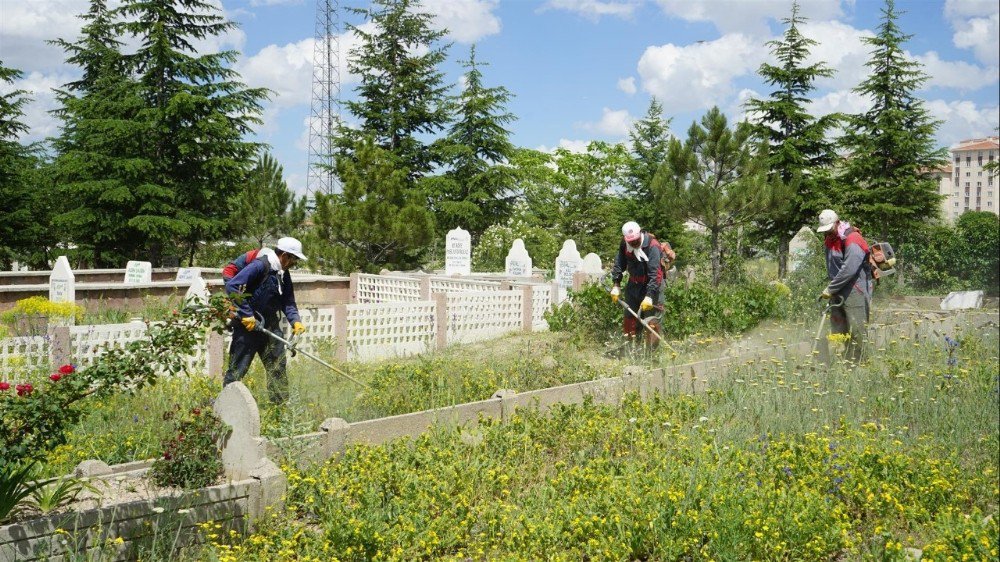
x=325 y=98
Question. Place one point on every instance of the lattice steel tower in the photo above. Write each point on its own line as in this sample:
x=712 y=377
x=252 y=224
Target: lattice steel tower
x=325 y=98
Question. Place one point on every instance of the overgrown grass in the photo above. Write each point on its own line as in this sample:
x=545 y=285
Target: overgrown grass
x=780 y=460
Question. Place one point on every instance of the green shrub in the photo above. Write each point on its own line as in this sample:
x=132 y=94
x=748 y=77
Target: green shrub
x=192 y=457
x=490 y=253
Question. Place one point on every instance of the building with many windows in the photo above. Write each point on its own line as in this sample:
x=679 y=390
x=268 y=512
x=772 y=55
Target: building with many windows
x=966 y=186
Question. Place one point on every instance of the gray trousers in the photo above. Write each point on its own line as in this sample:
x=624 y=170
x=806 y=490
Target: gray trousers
x=851 y=318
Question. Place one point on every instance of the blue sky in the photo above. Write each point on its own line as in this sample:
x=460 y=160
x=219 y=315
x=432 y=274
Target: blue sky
x=580 y=70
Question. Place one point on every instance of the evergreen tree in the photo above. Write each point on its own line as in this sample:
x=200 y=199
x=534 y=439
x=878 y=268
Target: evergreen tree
x=99 y=167
x=196 y=117
x=650 y=137
x=377 y=221
x=265 y=207
x=887 y=184
x=719 y=177
x=797 y=146
x=15 y=163
x=402 y=94
x=477 y=189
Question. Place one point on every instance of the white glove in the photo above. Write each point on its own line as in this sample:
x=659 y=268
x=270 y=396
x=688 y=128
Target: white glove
x=615 y=291
x=647 y=304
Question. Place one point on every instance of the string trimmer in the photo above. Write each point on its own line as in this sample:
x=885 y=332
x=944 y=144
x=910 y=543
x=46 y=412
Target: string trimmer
x=834 y=302
x=291 y=347
x=642 y=321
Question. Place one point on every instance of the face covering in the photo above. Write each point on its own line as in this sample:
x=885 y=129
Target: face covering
x=842 y=229
x=639 y=254
x=274 y=262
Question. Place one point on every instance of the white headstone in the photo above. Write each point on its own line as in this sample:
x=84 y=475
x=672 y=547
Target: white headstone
x=518 y=262
x=197 y=292
x=568 y=262
x=137 y=272
x=458 y=253
x=188 y=273
x=62 y=282
x=592 y=265
x=962 y=300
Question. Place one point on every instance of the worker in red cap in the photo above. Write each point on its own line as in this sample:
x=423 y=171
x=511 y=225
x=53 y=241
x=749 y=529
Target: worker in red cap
x=639 y=254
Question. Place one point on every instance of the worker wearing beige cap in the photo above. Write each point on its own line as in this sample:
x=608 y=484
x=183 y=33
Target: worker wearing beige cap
x=850 y=285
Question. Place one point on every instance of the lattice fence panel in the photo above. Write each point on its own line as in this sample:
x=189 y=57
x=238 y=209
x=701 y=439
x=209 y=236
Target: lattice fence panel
x=24 y=352
x=320 y=330
x=478 y=316
x=374 y=289
x=86 y=342
x=390 y=329
x=452 y=285
x=541 y=300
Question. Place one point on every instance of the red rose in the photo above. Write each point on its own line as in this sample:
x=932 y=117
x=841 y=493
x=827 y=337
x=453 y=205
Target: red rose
x=196 y=411
x=55 y=377
x=167 y=455
x=67 y=369
x=24 y=389
x=4 y=386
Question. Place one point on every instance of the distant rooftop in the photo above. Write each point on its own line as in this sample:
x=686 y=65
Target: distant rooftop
x=986 y=143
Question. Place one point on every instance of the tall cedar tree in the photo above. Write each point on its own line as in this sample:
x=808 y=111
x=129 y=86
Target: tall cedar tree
x=99 y=167
x=650 y=137
x=720 y=178
x=887 y=186
x=377 y=221
x=15 y=212
x=197 y=115
x=402 y=93
x=266 y=208
x=797 y=146
x=477 y=190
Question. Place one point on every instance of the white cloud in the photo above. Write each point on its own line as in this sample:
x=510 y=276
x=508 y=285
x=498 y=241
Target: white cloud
x=842 y=101
x=26 y=25
x=287 y=70
x=627 y=85
x=842 y=48
x=613 y=123
x=256 y=3
x=699 y=75
x=578 y=146
x=977 y=27
x=41 y=124
x=963 y=119
x=955 y=74
x=595 y=9
x=749 y=17
x=467 y=21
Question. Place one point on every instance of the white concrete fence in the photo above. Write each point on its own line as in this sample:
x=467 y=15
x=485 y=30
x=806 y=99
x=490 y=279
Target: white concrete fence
x=389 y=316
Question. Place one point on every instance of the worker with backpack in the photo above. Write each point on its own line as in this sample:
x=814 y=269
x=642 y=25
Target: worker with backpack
x=266 y=288
x=851 y=280
x=643 y=257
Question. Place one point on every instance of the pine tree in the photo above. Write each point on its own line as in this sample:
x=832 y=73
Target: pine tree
x=378 y=220
x=197 y=114
x=99 y=167
x=266 y=208
x=650 y=137
x=797 y=145
x=477 y=189
x=887 y=186
x=719 y=177
x=402 y=94
x=15 y=213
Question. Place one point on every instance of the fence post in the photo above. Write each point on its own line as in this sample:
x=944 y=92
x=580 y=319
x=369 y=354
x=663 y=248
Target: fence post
x=527 y=308
x=425 y=288
x=214 y=361
x=554 y=293
x=60 y=352
x=352 y=296
x=441 y=318
x=580 y=279
x=340 y=329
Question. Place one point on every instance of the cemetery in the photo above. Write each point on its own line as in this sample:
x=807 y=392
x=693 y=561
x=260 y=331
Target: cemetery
x=472 y=280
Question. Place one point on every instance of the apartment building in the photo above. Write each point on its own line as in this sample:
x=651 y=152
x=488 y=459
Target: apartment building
x=970 y=187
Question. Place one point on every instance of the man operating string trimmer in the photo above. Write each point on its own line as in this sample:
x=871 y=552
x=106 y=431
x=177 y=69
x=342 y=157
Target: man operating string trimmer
x=640 y=254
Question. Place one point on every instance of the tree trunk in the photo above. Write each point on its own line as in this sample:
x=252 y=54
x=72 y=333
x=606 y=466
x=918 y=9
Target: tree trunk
x=716 y=258
x=784 y=241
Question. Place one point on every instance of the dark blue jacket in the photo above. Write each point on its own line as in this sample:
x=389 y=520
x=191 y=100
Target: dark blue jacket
x=261 y=284
x=646 y=273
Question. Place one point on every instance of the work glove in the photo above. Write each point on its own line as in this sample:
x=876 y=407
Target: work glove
x=647 y=304
x=249 y=323
x=615 y=291
x=825 y=295
x=298 y=329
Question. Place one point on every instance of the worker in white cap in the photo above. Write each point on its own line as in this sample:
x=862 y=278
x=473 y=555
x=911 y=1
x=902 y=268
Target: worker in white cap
x=266 y=286
x=850 y=281
x=639 y=254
